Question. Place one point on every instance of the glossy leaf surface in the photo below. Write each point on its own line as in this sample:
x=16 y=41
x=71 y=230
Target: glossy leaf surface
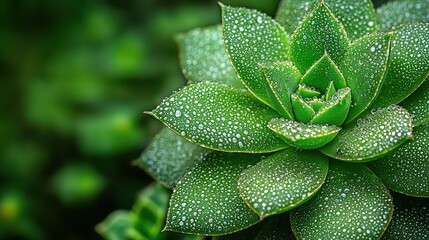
x=218 y=117
x=168 y=157
x=351 y=204
x=252 y=38
x=310 y=42
x=300 y=135
x=373 y=136
x=418 y=104
x=203 y=57
x=302 y=110
x=408 y=223
x=364 y=67
x=396 y=13
x=335 y=110
x=282 y=181
x=408 y=64
x=207 y=201
x=406 y=170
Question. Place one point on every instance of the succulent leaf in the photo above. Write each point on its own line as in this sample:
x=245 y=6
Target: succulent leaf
x=357 y=17
x=418 y=104
x=207 y=201
x=203 y=57
x=251 y=39
x=282 y=181
x=335 y=110
x=169 y=156
x=218 y=117
x=304 y=112
x=406 y=169
x=310 y=42
x=373 y=136
x=408 y=64
x=351 y=204
x=364 y=66
x=398 y=12
x=305 y=136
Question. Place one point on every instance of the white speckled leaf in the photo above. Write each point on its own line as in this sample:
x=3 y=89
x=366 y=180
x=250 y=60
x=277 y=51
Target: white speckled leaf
x=357 y=17
x=283 y=79
x=373 y=136
x=169 y=156
x=207 y=201
x=364 y=67
x=351 y=204
x=418 y=104
x=408 y=64
x=203 y=57
x=252 y=38
x=406 y=170
x=408 y=223
x=301 y=135
x=319 y=33
x=283 y=181
x=396 y=13
x=218 y=117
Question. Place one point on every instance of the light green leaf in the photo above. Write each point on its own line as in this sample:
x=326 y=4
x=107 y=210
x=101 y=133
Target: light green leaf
x=334 y=112
x=252 y=38
x=218 y=117
x=307 y=91
x=373 y=136
x=303 y=111
x=330 y=91
x=283 y=181
x=322 y=73
x=203 y=57
x=168 y=157
x=406 y=170
x=316 y=103
x=310 y=42
x=396 y=13
x=408 y=223
x=351 y=204
x=357 y=17
x=207 y=201
x=417 y=104
x=364 y=67
x=300 y=135
x=115 y=226
x=408 y=64
x=283 y=79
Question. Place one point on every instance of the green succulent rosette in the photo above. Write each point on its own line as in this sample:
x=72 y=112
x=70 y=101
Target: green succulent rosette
x=313 y=116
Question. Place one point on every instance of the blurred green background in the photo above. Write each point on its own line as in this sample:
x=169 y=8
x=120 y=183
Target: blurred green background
x=75 y=78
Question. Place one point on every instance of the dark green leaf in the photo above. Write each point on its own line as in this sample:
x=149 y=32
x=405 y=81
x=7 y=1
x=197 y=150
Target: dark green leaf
x=408 y=64
x=396 y=13
x=283 y=181
x=252 y=38
x=207 y=201
x=418 y=104
x=357 y=17
x=406 y=170
x=351 y=204
x=408 y=223
x=276 y=228
x=310 y=42
x=300 y=135
x=168 y=157
x=218 y=117
x=373 y=136
x=283 y=79
x=334 y=112
x=364 y=67
x=203 y=57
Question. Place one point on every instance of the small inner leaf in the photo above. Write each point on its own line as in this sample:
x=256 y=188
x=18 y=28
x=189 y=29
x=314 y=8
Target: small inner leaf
x=316 y=103
x=418 y=104
x=310 y=42
x=252 y=38
x=303 y=111
x=307 y=92
x=406 y=169
x=218 y=117
x=203 y=57
x=330 y=91
x=207 y=201
x=351 y=204
x=373 y=136
x=364 y=67
x=283 y=181
x=396 y=13
x=336 y=109
x=300 y=135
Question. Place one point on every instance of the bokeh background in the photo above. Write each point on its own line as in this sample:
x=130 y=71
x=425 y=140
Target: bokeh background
x=75 y=78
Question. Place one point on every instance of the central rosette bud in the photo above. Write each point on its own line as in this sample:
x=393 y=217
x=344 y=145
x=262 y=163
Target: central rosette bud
x=316 y=106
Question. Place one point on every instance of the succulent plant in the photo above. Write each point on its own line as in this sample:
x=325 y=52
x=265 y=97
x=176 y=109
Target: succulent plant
x=311 y=117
